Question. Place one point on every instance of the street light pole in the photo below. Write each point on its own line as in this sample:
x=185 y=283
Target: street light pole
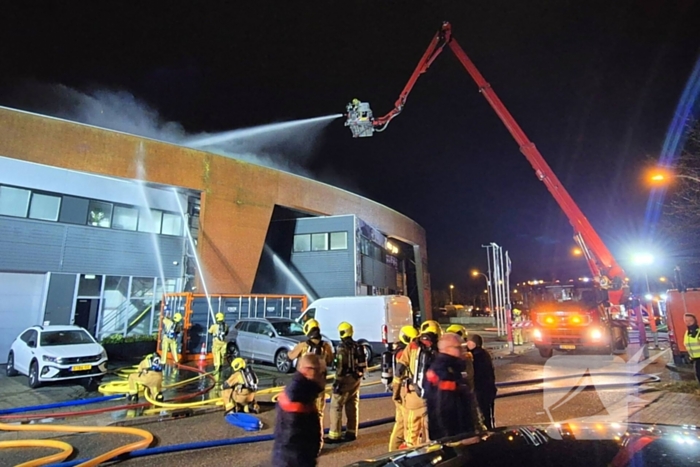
x=451 y=299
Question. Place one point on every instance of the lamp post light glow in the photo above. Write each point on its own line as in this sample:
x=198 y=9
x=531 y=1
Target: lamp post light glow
x=643 y=259
x=452 y=287
x=576 y=251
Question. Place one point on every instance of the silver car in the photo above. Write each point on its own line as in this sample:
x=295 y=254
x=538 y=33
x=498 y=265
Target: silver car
x=267 y=340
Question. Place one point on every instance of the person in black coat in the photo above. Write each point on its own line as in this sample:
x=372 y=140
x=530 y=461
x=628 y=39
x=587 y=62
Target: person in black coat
x=297 y=441
x=448 y=395
x=484 y=379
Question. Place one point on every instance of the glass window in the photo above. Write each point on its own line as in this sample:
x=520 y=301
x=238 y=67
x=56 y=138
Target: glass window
x=141 y=306
x=288 y=328
x=89 y=285
x=150 y=220
x=115 y=307
x=240 y=325
x=339 y=241
x=14 y=201
x=302 y=243
x=51 y=338
x=28 y=336
x=100 y=214
x=125 y=218
x=319 y=242
x=44 y=207
x=172 y=224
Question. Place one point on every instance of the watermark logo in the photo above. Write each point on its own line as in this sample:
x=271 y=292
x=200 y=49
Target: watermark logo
x=591 y=396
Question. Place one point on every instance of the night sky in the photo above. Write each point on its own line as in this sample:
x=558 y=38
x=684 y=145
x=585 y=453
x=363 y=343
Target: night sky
x=593 y=83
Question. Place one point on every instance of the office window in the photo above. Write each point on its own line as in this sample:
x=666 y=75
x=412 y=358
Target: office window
x=150 y=222
x=44 y=207
x=172 y=224
x=14 y=201
x=319 y=242
x=339 y=240
x=100 y=214
x=302 y=243
x=125 y=218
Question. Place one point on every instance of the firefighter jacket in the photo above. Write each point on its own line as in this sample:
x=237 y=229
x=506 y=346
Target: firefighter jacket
x=146 y=365
x=242 y=379
x=297 y=442
x=171 y=329
x=313 y=345
x=350 y=360
x=484 y=374
x=416 y=360
x=449 y=400
x=691 y=340
x=219 y=331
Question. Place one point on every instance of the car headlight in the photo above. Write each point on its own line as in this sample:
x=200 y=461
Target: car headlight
x=103 y=354
x=596 y=334
x=50 y=359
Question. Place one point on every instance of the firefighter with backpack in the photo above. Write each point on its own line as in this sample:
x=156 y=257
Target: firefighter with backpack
x=350 y=367
x=393 y=377
x=218 y=348
x=316 y=345
x=415 y=361
x=239 y=389
x=171 y=330
x=149 y=374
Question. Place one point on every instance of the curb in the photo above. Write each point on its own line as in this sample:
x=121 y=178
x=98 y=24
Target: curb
x=680 y=369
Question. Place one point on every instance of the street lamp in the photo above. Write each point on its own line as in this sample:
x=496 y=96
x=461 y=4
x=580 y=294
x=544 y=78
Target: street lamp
x=662 y=176
x=576 y=251
x=451 y=299
x=476 y=273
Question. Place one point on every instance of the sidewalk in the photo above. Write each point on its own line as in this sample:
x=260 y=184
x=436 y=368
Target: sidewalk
x=14 y=392
x=669 y=408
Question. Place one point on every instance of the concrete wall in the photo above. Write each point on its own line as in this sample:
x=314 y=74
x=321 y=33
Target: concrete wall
x=237 y=197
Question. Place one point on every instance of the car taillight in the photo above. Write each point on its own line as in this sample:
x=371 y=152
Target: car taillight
x=385 y=334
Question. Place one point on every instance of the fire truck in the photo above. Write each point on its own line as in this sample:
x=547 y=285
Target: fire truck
x=567 y=325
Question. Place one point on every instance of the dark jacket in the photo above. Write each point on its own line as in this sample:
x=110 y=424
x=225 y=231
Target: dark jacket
x=484 y=374
x=448 y=398
x=298 y=426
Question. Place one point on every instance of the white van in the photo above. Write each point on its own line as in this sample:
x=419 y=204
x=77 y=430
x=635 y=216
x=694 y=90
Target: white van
x=376 y=320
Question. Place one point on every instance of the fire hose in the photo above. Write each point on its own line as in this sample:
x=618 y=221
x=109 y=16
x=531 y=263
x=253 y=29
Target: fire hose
x=371 y=423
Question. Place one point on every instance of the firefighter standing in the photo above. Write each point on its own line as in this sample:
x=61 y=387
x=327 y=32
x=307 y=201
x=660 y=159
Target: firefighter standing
x=218 y=348
x=517 y=330
x=315 y=345
x=406 y=335
x=458 y=329
x=171 y=330
x=351 y=363
x=416 y=360
x=239 y=389
x=691 y=340
x=150 y=375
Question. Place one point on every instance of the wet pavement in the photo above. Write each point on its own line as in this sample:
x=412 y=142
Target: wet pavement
x=523 y=409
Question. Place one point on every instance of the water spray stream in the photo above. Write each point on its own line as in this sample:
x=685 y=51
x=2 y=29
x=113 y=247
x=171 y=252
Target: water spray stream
x=141 y=185
x=194 y=252
x=254 y=131
x=281 y=266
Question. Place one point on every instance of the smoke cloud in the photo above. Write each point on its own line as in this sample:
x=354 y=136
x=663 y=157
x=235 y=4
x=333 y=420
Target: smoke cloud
x=284 y=146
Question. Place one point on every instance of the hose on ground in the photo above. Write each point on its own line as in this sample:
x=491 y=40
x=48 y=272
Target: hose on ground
x=144 y=442
x=65 y=450
x=57 y=405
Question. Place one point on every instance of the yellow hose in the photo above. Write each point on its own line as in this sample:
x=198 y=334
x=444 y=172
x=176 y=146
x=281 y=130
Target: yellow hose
x=181 y=405
x=66 y=450
x=147 y=438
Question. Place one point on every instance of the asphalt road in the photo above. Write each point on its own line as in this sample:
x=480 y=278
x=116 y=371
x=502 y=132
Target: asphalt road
x=524 y=409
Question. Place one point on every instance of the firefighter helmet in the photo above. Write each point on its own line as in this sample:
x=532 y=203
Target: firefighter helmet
x=345 y=330
x=458 y=329
x=154 y=360
x=219 y=317
x=310 y=325
x=407 y=334
x=177 y=317
x=238 y=364
x=431 y=326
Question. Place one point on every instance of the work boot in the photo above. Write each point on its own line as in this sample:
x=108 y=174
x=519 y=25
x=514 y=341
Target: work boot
x=159 y=397
x=349 y=437
x=332 y=440
x=254 y=408
x=132 y=398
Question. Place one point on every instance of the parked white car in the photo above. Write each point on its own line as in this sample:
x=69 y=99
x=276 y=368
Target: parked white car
x=55 y=353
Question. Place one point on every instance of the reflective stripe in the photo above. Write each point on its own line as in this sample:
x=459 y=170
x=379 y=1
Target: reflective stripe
x=334 y=435
x=432 y=377
x=447 y=385
x=692 y=345
x=294 y=407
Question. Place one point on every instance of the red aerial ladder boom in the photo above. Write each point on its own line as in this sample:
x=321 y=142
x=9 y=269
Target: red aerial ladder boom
x=607 y=273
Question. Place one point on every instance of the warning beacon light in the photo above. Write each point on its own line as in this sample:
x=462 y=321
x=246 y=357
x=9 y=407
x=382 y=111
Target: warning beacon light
x=359 y=119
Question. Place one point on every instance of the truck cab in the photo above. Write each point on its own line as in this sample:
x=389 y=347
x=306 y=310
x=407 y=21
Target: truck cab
x=571 y=318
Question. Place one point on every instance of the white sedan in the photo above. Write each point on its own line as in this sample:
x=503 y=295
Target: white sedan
x=55 y=353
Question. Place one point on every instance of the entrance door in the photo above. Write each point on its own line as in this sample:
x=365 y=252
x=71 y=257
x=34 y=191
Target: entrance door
x=86 y=314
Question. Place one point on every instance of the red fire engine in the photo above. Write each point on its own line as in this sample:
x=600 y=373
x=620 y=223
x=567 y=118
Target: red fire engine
x=559 y=324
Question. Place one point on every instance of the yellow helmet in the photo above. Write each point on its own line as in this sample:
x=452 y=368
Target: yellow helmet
x=458 y=329
x=310 y=325
x=407 y=334
x=177 y=317
x=219 y=317
x=345 y=330
x=238 y=364
x=431 y=326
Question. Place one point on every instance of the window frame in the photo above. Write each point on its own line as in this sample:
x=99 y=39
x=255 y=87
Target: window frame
x=29 y=200
x=317 y=235
x=330 y=240
x=48 y=194
x=124 y=206
x=294 y=246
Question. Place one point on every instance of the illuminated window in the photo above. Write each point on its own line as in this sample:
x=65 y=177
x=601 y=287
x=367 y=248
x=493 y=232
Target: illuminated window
x=100 y=214
x=339 y=240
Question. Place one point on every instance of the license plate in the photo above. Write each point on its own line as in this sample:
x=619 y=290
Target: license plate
x=567 y=347
x=81 y=367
